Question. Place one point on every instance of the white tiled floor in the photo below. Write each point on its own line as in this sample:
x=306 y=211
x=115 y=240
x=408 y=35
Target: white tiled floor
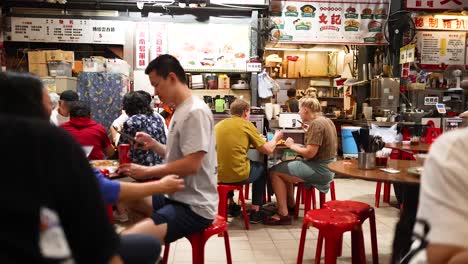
x=274 y=245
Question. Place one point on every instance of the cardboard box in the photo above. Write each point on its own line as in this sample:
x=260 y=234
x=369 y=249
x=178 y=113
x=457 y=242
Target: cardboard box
x=60 y=55
x=37 y=57
x=60 y=84
x=40 y=69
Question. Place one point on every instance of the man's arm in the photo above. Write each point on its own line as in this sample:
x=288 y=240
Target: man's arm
x=441 y=254
x=188 y=165
x=150 y=143
x=134 y=191
x=270 y=146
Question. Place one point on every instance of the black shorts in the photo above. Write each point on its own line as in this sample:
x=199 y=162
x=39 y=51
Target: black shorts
x=180 y=219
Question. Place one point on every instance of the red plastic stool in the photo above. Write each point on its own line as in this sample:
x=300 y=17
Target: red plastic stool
x=198 y=241
x=308 y=195
x=362 y=211
x=331 y=225
x=386 y=198
x=223 y=190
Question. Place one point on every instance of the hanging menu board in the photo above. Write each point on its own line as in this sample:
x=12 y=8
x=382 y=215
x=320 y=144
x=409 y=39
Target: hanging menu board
x=350 y=22
x=68 y=30
x=210 y=47
x=438 y=47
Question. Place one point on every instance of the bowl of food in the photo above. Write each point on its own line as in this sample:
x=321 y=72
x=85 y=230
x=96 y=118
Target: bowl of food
x=276 y=34
x=381 y=119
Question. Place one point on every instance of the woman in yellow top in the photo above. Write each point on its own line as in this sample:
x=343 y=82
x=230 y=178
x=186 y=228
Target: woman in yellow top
x=319 y=150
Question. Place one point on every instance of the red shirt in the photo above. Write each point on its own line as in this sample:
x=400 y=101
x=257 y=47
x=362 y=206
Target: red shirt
x=89 y=133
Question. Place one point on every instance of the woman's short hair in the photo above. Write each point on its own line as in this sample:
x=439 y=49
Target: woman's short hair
x=239 y=106
x=136 y=103
x=313 y=104
x=311 y=93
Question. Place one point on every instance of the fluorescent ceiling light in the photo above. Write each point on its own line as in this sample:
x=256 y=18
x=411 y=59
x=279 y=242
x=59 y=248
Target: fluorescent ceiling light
x=452 y=15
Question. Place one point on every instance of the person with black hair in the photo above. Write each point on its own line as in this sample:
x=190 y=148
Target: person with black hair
x=292 y=103
x=190 y=153
x=50 y=194
x=41 y=224
x=118 y=123
x=142 y=119
x=61 y=114
x=87 y=132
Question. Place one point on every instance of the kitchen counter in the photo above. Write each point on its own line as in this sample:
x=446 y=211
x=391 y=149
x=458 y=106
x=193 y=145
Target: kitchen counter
x=368 y=122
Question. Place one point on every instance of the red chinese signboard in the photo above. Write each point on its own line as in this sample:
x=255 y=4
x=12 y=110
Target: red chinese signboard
x=141 y=45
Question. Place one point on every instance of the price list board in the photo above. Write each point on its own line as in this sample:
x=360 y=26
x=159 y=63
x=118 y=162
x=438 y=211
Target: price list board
x=68 y=30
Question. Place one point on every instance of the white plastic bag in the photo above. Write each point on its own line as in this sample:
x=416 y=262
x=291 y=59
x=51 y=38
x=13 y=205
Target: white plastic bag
x=388 y=134
x=264 y=86
x=117 y=66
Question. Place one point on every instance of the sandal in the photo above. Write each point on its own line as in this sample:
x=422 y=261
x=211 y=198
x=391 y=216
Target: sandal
x=283 y=220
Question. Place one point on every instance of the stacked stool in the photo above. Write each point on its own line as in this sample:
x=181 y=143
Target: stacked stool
x=308 y=197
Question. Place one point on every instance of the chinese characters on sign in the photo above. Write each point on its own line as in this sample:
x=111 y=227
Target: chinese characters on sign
x=68 y=30
x=150 y=42
x=158 y=38
x=436 y=4
x=458 y=23
x=437 y=47
x=315 y=21
x=141 y=45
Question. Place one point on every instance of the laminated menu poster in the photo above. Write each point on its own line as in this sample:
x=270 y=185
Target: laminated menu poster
x=438 y=47
x=210 y=47
x=320 y=21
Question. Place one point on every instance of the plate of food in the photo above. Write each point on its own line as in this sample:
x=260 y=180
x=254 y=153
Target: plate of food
x=110 y=165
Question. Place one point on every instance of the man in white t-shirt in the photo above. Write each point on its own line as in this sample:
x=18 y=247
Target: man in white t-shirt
x=61 y=114
x=444 y=198
x=190 y=153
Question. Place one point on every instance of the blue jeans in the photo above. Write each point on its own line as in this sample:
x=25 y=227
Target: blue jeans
x=257 y=176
